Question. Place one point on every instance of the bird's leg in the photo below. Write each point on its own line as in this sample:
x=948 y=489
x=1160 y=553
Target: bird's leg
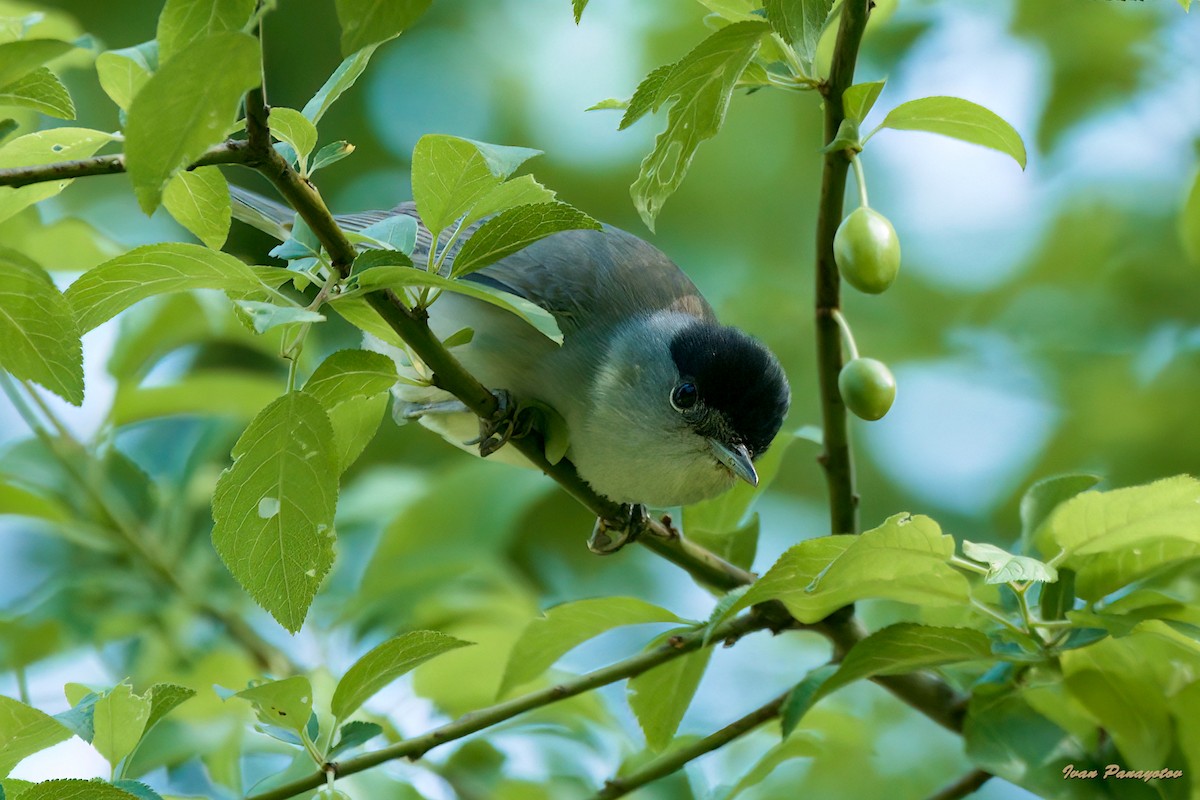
x=403 y=412
x=511 y=421
x=610 y=535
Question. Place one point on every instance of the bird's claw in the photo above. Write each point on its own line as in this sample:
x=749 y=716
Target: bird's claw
x=509 y=422
x=610 y=535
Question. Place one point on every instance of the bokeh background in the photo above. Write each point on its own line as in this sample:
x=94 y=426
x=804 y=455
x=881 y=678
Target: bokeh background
x=1045 y=321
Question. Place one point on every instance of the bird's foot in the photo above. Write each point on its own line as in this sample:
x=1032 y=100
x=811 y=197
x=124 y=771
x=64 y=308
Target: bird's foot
x=511 y=421
x=610 y=535
x=403 y=412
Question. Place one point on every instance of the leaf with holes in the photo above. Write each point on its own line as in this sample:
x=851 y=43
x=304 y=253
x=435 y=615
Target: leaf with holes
x=44 y=147
x=285 y=704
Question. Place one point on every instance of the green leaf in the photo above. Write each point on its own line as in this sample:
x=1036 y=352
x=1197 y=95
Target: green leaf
x=578 y=6
x=342 y=79
x=386 y=663
x=44 y=147
x=522 y=191
x=1189 y=222
x=119 y=719
x=105 y=291
x=738 y=546
x=237 y=393
x=183 y=22
x=1004 y=567
x=330 y=154
x=18 y=59
x=1040 y=500
x=803 y=697
x=907 y=647
x=858 y=100
x=124 y=72
x=906 y=559
x=609 y=104
x=185 y=108
x=353 y=387
x=800 y=23
x=564 y=627
x=25 y=731
x=165 y=698
x=798 y=746
x=450 y=175
x=515 y=229
x=265 y=316
x=199 y=201
x=701 y=84
x=286 y=703
x=37 y=327
x=958 y=119
x=352 y=734
x=398 y=232
x=274 y=507
x=660 y=697
x=75 y=789
x=370 y=22
x=646 y=97
x=1103 y=573
x=27 y=503
x=1125 y=684
x=396 y=277
x=289 y=125
x=138 y=789
x=40 y=90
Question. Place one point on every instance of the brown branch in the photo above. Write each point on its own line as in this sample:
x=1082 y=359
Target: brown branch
x=836 y=457
x=416 y=747
x=966 y=785
x=677 y=759
x=229 y=152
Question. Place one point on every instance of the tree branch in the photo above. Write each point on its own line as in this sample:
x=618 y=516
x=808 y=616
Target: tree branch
x=676 y=759
x=229 y=152
x=416 y=747
x=964 y=786
x=836 y=457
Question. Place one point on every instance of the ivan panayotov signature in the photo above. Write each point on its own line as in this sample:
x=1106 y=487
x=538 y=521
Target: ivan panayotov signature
x=1116 y=771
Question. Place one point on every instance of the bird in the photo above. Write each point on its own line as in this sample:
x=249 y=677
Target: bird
x=663 y=405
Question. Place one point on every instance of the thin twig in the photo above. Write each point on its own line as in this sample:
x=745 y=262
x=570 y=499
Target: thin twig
x=416 y=747
x=966 y=785
x=677 y=759
x=229 y=152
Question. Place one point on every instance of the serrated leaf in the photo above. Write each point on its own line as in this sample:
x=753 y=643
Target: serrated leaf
x=1004 y=567
x=803 y=697
x=105 y=291
x=578 y=6
x=119 y=719
x=958 y=119
x=348 y=374
x=564 y=627
x=858 y=100
x=701 y=85
x=800 y=23
x=397 y=277
x=521 y=191
x=337 y=83
x=265 y=316
x=124 y=72
x=1040 y=500
x=25 y=731
x=906 y=559
x=289 y=125
x=286 y=703
x=386 y=663
x=44 y=147
x=515 y=229
x=646 y=96
x=273 y=509
x=78 y=718
x=1189 y=222
x=353 y=734
x=183 y=22
x=609 y=104
x=185 y=108
x=18 y=59
x=660 y=697
x=450 y=175
x=199 y=201
x=165 y=698
x=38 y=329
x=40 y=90
x=907 y=647
x=370 y=22
x=138 y=789
x=75 y=789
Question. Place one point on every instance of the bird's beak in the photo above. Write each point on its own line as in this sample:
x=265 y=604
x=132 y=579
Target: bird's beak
x=737 y=459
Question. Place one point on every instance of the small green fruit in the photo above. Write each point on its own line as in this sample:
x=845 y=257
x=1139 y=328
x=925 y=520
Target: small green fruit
x=867 y=387
x=867 y=250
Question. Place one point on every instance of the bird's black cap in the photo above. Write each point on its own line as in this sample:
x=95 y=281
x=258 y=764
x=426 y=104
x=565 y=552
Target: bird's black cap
x=737 y=376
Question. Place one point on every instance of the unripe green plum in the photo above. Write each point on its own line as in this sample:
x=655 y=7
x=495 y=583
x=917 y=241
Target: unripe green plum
x=867 y=387
x=867 y=250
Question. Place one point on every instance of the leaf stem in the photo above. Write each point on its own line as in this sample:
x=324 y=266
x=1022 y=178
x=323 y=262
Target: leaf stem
x=861 y=179
x=847 y=334
x=675 y=760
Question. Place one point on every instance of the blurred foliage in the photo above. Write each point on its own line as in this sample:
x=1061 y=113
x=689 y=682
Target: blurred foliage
x=1081 y=354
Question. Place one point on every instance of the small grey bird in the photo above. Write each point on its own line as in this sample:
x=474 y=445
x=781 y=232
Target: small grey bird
x=663 y=405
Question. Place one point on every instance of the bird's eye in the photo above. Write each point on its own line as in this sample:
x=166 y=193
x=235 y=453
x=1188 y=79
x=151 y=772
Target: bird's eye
x=684 y=396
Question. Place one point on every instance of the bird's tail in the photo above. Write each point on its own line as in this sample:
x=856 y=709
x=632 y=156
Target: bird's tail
x=268 y=216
